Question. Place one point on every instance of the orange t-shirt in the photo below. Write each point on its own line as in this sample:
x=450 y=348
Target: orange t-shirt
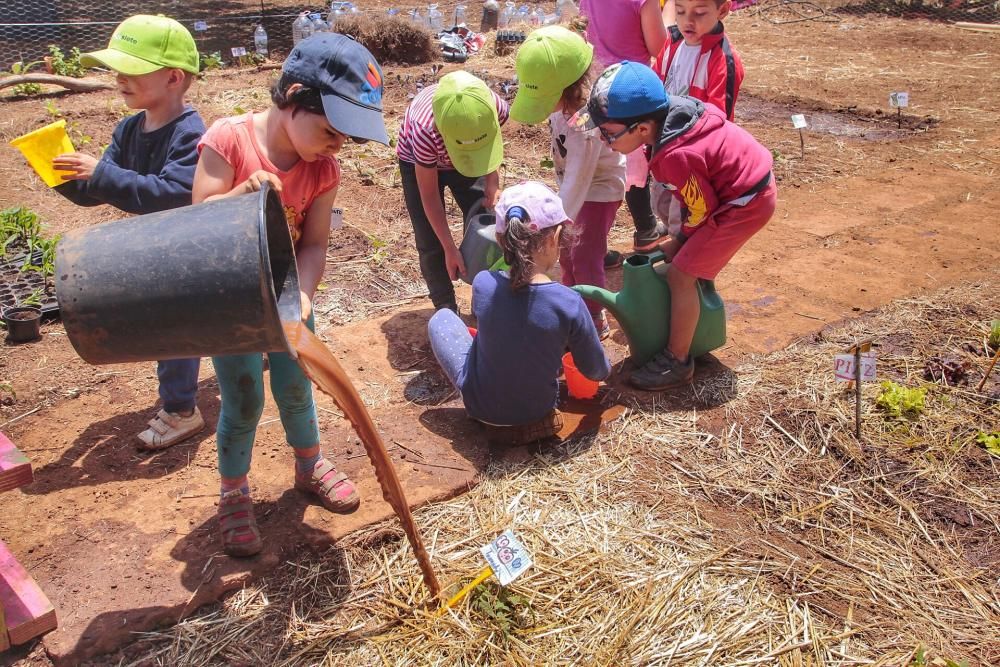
x=235 y=140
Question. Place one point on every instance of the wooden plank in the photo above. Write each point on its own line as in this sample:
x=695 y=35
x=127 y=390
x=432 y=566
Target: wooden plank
x=27 y=610
x=979 y=27
x=15 y=470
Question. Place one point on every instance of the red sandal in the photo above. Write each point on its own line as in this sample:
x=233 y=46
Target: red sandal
x=236 y=521
x=335 y=491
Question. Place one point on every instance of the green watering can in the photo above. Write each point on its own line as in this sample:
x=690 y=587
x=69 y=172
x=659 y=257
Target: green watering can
x=479 y=248
x=642 y=307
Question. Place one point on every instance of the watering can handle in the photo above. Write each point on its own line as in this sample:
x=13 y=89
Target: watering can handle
x=657 y=256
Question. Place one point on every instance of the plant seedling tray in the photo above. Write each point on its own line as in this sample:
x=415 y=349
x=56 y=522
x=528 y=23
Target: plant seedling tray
x=17 y=285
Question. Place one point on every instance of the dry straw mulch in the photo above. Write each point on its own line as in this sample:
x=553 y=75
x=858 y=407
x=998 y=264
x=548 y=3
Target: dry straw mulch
x=391 y=39
x=756 y=532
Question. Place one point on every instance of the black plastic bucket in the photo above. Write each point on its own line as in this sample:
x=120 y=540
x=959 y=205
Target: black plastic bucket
x=206 y=280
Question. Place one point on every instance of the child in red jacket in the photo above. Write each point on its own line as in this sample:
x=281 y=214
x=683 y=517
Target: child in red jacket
x=697 y=59
x=716 y=169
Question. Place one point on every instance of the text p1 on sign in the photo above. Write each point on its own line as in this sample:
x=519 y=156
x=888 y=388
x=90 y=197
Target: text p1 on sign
x=843 y=367
x=507 y=557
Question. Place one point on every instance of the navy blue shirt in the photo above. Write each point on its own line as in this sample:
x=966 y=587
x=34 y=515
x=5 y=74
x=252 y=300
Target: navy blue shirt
x=143 y=172
x=510 y=375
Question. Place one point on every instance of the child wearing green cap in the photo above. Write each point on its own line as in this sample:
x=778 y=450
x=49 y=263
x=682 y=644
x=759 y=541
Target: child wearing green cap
x=148 y=167
x=449 y=137
x=329 y=92
x=553 y=70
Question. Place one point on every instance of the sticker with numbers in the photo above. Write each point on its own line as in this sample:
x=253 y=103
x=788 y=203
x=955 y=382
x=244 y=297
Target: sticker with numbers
x=200 y=26
x=507 y=557
x=843 y=367
x=238 y=51
x=798 y=121
x=899 y=100
x=336 y=218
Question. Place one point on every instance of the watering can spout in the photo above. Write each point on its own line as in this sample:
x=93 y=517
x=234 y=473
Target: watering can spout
x=600 y=296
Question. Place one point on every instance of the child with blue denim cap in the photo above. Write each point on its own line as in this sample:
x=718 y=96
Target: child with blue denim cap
x=148 y=167
x=507 y=374
x=329 y=92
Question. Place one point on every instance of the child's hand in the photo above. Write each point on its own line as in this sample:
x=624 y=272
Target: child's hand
x=260 y=176
x=79 y=165
x=306 y=305
x=491 y=190
x=454 y=262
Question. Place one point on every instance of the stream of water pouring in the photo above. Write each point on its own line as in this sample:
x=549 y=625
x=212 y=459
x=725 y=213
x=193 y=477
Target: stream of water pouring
x=324 y=369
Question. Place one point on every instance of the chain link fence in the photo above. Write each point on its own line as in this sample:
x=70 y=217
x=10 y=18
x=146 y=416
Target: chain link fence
x=28 y=27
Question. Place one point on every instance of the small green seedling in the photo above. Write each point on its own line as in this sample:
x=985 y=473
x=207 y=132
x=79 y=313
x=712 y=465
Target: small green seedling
x=994 y=337
x=547 y=163
x=506 y=610
x=898 y=401
x=210 y=61
x=991 y=441
x=34 y=299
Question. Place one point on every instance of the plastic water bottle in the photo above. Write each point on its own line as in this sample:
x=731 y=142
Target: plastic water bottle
x=459 y=15
x=417 y=17
x=538 y=17
x=491 y=16
x=352 y=9
x=506 y=14
x=566 y=10
x=319 y=25
x=392 y=11
x=336 y=12
x=301 y=28
x=523 y=16
x=260 y=41
x=435 y=20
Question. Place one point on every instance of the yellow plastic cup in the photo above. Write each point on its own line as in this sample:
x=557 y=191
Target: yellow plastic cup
x=41 y=146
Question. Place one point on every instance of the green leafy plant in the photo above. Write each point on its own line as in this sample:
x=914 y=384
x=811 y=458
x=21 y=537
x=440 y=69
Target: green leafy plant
x=34 y=299
x=899 y=401
x=506 y=610
x=991 y=441
x=64 y=65
x=920 y=660
x=210 y=61
x=547 y=163
x=21 y=231
x=25 y=89
x=994 y=336
x=52 y=109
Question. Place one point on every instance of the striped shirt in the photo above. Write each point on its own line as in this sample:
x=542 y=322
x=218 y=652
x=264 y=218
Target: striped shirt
x=419 y=140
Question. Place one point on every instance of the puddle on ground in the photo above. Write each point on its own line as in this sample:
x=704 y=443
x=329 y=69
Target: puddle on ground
x=848 y=123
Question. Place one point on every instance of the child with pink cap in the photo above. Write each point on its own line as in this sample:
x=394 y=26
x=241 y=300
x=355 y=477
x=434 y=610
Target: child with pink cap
x=507 y=374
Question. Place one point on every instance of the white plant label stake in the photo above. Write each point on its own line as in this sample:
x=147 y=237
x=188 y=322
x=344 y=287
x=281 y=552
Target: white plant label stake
x=897 y=101
x=799 y=123
x=336 y=218
x=857 y=365
x=200 y=26
x=238 y=51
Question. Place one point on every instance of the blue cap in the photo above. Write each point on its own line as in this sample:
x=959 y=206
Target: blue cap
x=349 y=81
x=625 y=91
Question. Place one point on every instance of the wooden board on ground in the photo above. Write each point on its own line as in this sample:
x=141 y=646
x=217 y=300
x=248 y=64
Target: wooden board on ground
x=15 y=470
x=26 y=609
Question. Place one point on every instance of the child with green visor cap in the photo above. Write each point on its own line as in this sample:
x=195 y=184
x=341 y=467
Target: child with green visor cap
x=554 y=75
x=450 y=136
x=148 y=167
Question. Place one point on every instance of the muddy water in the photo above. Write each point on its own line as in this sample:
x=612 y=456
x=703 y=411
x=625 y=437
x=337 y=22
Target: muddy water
x=324 y=369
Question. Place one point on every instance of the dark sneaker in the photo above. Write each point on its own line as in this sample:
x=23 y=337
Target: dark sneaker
x=649 y=240
x=663 y=371
x=613 y=259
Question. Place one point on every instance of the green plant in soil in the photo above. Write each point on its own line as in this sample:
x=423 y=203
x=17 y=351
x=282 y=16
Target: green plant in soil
x=210 y=61
x=994 y=336
x=899 y=401
x=506 y=610
x=64 y=65
x=21 y=231
x=25 y=89
x=991 y=441
x=34 y=299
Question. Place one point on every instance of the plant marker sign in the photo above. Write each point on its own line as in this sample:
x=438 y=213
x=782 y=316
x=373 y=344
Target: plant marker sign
x=845 y=371
x=238 y=51
x=897 y=101
x=336 y=218
x=507 y=557
x=799 y=123
x=200 y=26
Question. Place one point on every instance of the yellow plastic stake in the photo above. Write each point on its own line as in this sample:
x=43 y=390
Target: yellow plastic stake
x=483 y=575
x=41 y=146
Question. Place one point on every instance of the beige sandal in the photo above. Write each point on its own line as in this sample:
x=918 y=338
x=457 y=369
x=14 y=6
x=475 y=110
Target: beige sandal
x=169 y=428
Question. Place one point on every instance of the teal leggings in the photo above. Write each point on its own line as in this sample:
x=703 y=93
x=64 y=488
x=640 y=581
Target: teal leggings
x=241 y=383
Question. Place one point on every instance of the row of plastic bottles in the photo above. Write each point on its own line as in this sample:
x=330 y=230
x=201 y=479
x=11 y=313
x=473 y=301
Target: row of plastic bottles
x=512 y=16
x=308 y=24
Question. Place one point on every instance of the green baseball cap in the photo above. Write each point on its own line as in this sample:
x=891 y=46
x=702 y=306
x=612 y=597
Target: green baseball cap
x=465 y=114
x=143 y=44
x=549 y=61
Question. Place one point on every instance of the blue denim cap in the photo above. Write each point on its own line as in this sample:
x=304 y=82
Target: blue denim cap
x=349 y=81
x=624 y=91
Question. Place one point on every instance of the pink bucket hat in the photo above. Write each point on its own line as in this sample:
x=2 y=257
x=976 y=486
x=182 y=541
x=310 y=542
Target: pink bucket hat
x=542 y=206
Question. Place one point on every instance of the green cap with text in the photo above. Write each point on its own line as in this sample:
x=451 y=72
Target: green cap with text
x=550 y=60
x=465 y=113
x=143 y=44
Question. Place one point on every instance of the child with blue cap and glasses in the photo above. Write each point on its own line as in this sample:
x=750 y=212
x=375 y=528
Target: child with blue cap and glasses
x=507 y=374
x=720 y=174
x=329 y=92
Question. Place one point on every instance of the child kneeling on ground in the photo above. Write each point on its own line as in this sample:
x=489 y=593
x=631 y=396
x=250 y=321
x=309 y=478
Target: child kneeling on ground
x=507 y=374
x=718 y=171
